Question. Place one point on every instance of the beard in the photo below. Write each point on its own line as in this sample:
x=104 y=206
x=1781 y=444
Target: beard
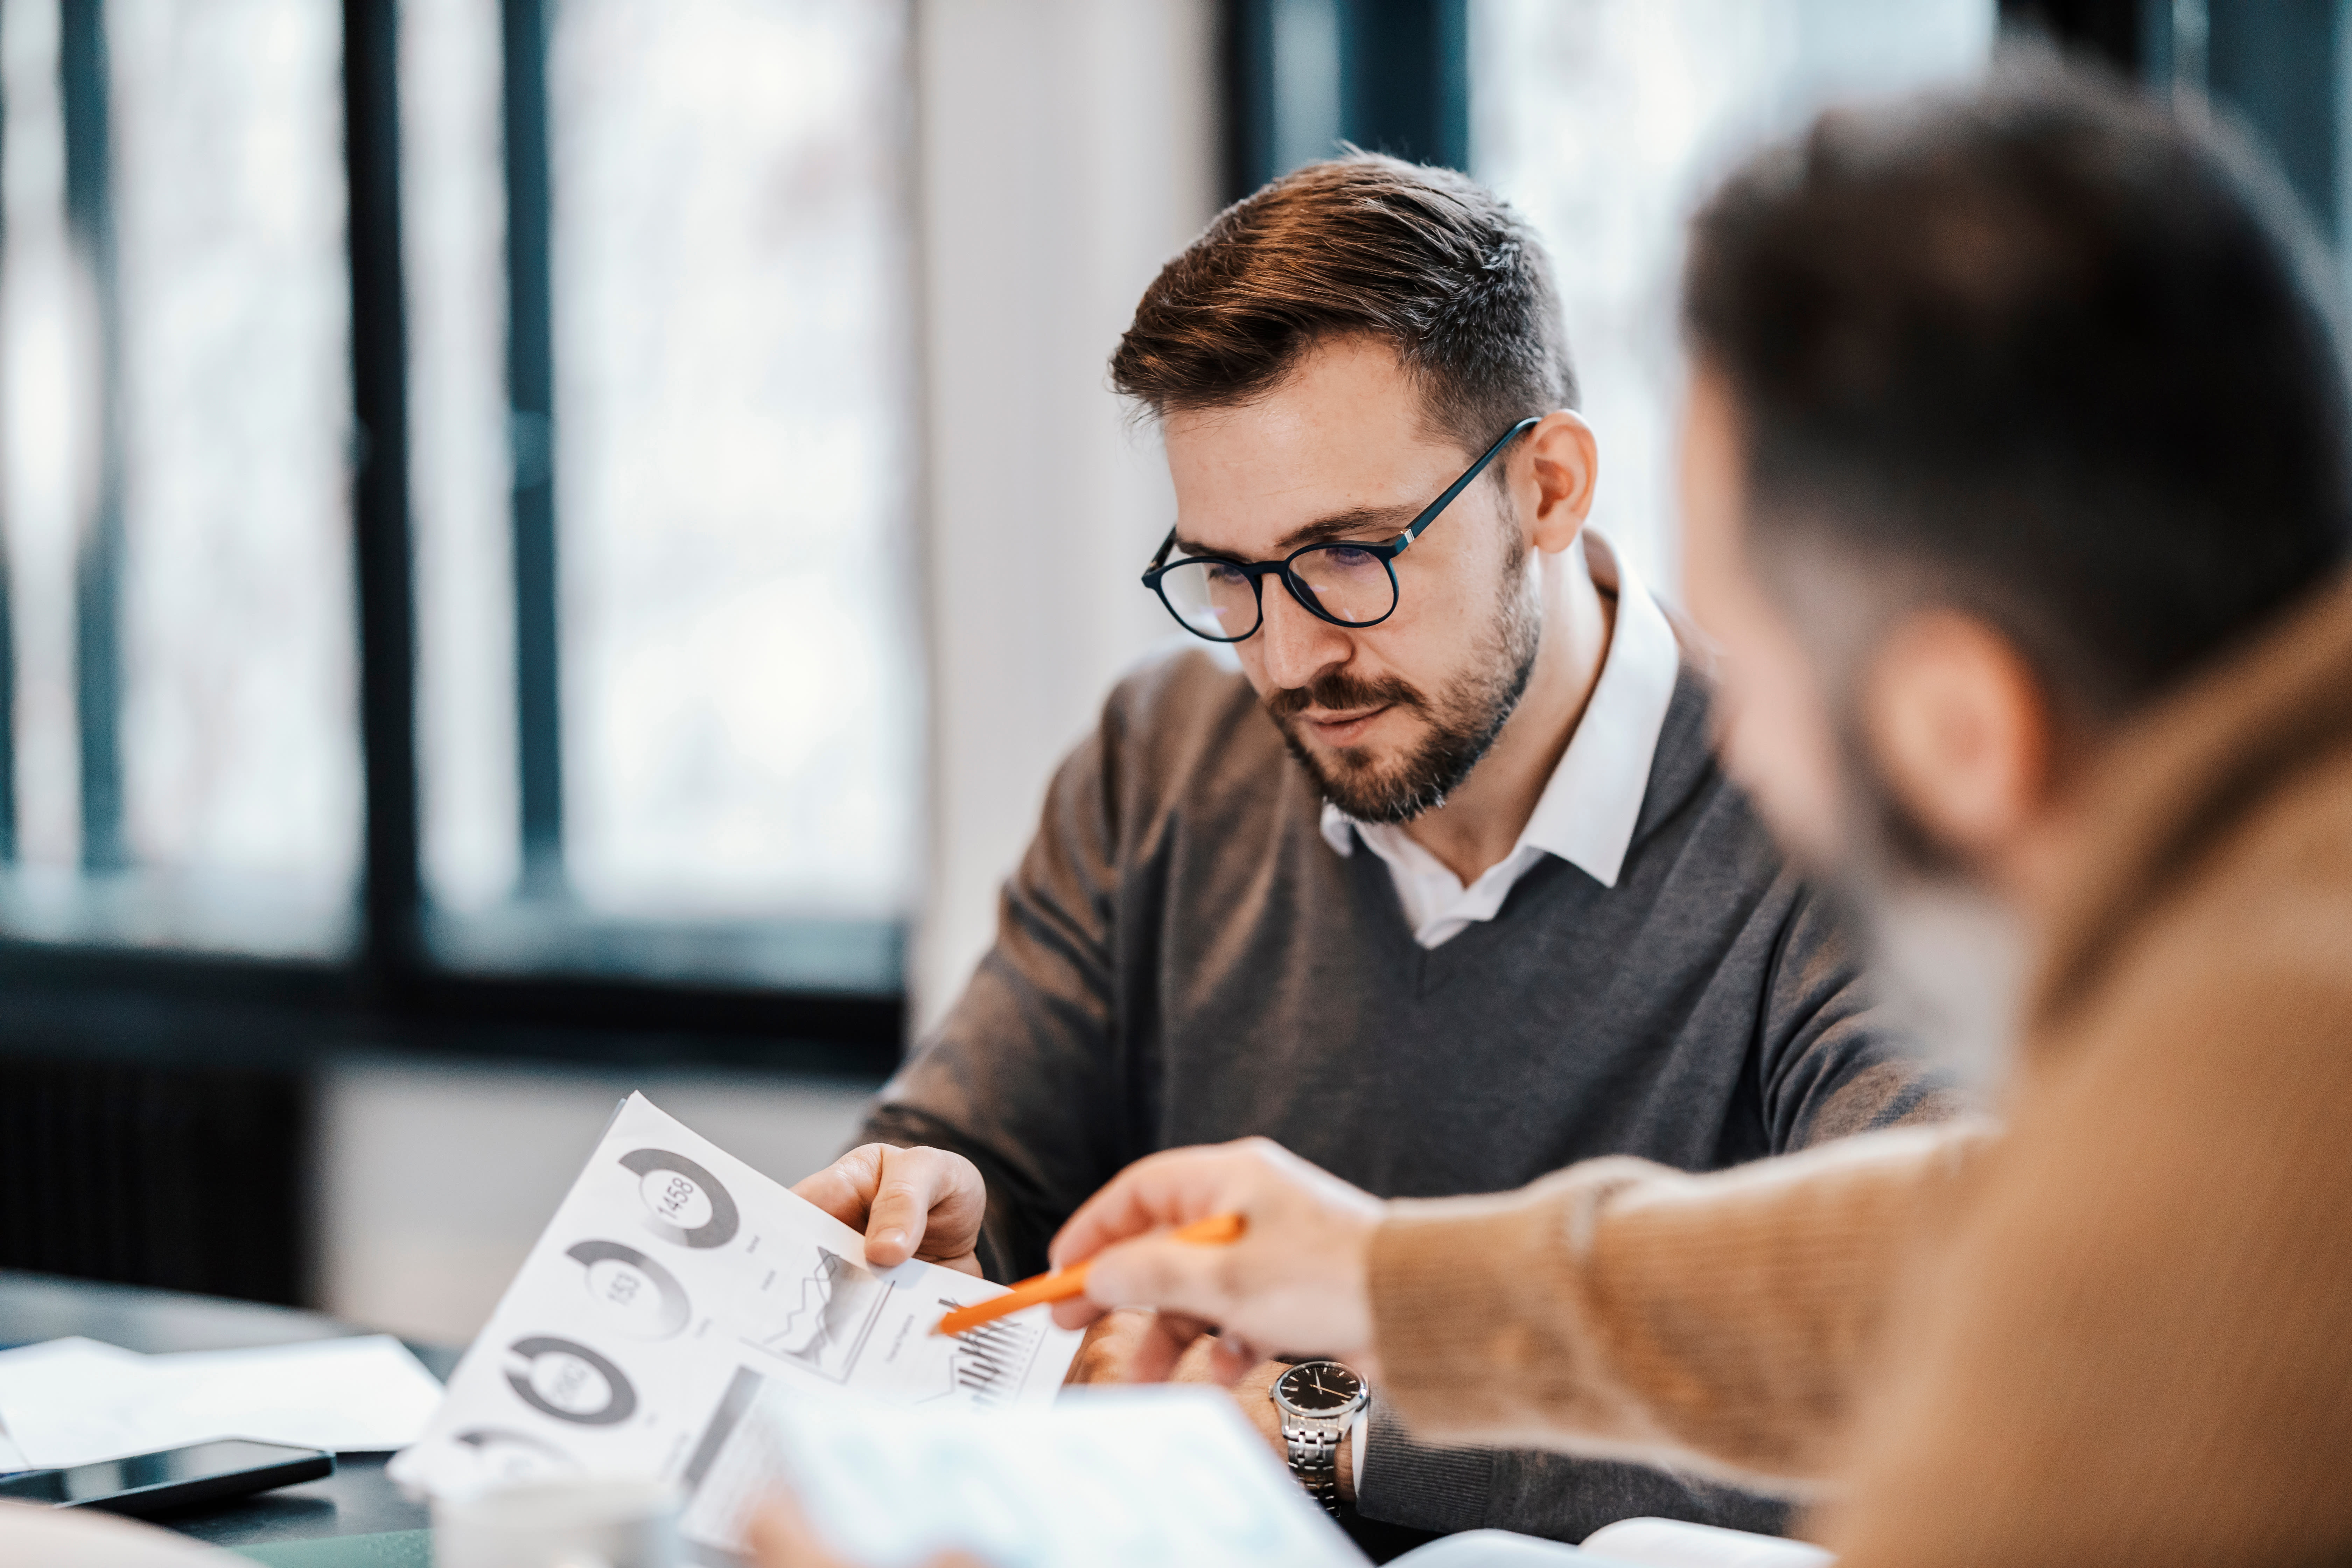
x=1952 y=961
x=1461 y=721
x=1948 y=955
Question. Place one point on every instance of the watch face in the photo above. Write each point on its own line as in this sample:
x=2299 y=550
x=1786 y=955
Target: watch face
x=1319 y=1387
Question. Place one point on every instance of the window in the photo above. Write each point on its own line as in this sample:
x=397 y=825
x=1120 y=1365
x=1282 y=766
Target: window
x=182 y=758
x=1602 y=120
x=654 y=418
x=728 y=455
x=456 y=480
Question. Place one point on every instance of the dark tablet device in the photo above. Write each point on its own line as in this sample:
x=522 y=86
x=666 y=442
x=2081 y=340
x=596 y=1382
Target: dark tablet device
x=146 y=1484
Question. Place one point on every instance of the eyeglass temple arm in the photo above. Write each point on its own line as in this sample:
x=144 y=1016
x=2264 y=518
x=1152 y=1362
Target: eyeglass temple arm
x=1431 y=513
x=1160 y=556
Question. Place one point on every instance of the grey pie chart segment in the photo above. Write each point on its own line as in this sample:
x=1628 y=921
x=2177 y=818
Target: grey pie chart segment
x=644 y=1297
x=684 y=1203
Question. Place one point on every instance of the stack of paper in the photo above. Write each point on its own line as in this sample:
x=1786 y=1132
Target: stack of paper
x=675 y=1287
x=70 y=1402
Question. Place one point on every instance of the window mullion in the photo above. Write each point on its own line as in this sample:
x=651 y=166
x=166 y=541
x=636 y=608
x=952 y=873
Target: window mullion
x=380 y=488
x=7 y=619
x=98 y=571
x=530 y=396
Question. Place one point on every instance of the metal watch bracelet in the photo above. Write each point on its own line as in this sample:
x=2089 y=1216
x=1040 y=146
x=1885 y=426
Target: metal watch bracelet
x=1315 y=1458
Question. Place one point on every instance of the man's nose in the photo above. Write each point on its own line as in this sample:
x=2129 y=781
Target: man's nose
x=1296 y=646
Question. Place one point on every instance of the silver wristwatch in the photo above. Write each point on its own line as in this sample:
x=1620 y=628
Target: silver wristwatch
x=1319 y=1401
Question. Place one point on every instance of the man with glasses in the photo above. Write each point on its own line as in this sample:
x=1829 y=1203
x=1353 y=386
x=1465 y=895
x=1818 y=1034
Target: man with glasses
x=1476 y=902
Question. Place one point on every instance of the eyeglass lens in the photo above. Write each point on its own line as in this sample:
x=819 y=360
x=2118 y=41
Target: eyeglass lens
x=1218 y=600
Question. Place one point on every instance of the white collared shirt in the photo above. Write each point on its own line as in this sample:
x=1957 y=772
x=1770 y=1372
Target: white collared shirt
x=1588 y=809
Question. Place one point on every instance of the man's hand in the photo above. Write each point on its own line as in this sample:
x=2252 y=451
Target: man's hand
x=910 y=1203
x=1296 y=1281
x=1108 y=1353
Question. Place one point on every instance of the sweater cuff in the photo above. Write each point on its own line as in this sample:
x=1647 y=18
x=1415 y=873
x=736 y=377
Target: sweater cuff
x=1410 y=1483
x=1467 y=1295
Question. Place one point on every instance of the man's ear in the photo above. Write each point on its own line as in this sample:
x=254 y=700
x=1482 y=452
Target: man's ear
x=1961 y=731
x=1562 y=461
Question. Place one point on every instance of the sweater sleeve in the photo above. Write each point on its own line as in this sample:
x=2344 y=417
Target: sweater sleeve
x=1623 y=1310
x=1830 y=1061
x=1024 y=1077
x=2134 y=1349
x=1530 y=1492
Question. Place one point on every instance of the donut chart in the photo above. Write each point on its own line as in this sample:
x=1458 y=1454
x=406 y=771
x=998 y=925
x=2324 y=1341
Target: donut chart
x=566 y=1380
x=684 y=1203
x=647 y=1299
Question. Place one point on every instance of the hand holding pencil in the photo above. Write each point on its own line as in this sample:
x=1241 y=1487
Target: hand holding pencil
x=1294 y=1279
x=1062 y=1284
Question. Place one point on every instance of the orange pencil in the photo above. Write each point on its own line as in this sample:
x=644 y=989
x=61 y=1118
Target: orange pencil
x=1064 y=1283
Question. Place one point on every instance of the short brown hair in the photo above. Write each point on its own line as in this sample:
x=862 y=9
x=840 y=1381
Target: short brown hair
x=1426 y=259
x=2056 y=350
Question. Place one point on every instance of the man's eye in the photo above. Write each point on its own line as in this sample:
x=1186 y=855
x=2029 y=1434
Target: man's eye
x=1224 y=575
x=1347 y=558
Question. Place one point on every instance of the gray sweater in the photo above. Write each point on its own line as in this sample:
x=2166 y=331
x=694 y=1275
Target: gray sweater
x=1182 y=958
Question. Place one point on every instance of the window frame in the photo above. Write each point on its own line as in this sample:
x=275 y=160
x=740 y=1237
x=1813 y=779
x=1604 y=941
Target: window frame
x=391 y=993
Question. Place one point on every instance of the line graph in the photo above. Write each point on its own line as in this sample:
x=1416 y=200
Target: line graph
x=831 y=1307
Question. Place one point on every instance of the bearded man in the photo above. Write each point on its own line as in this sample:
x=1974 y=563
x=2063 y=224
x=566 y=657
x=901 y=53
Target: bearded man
x=2017 y=481
x=1440 y=887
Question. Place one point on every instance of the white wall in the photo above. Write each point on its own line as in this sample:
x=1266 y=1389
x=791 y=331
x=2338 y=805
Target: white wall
x=1067 y=150
x=436 y=1179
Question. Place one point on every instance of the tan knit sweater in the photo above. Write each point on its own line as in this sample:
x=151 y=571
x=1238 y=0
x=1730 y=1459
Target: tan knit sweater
x=2121 y=1332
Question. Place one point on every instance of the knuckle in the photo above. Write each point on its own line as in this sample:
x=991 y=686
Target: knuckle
x=1262 y=1152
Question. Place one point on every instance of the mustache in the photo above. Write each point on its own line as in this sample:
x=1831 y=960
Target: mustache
x=1340 y=691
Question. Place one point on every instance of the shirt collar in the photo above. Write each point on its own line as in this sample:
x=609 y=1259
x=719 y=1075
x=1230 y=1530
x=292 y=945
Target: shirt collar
x=1589 y=807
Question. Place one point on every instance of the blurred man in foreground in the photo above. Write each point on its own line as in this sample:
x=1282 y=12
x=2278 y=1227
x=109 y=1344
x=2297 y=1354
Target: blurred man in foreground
x=2017 y=486
x=1433 y=876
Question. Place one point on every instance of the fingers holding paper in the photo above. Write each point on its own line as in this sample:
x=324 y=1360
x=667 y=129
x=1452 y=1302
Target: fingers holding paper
x=910 y=1203
x=1294 y=1281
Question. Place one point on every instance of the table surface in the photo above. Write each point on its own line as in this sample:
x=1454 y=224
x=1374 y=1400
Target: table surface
x=357 y=1499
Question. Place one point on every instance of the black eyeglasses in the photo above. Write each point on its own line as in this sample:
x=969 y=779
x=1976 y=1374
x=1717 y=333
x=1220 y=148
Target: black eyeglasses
x=1347 y=584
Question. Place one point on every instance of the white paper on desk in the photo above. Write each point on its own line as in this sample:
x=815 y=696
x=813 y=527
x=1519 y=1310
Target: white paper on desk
x=73 y=1401
x=1139 y=1478
x=674 y=1285
x=1673 y=1543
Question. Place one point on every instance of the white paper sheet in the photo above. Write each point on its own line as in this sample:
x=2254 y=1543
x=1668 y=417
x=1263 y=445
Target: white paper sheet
x=69 y=1402
x=1672 y=1543
x=675 y=1288
x=1139 y=1478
